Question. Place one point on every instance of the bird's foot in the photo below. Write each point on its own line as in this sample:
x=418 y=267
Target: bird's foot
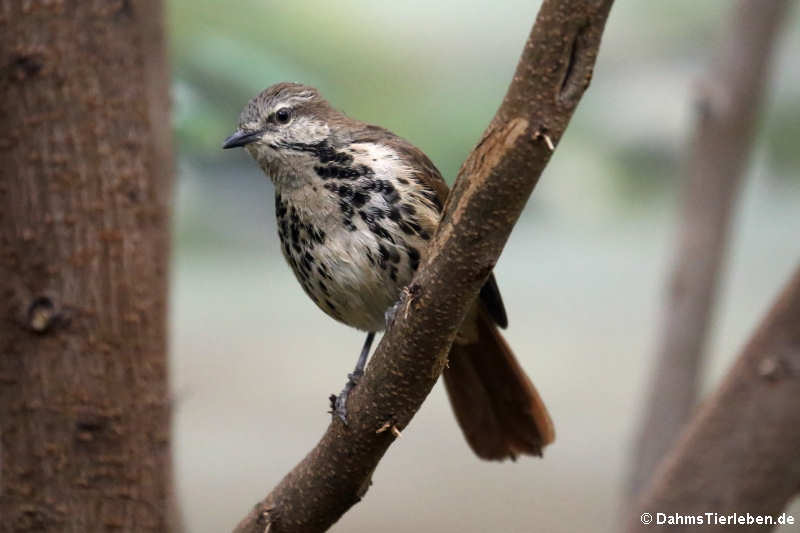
x=339 y=403
x=407 y=296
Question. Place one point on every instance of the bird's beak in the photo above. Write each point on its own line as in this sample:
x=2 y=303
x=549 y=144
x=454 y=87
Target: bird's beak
x=241 y=138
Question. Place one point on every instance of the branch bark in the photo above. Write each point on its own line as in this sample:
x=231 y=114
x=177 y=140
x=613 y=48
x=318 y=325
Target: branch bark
x=84 y=234
x=740 y=452
x=728 y=102
x=490 y=192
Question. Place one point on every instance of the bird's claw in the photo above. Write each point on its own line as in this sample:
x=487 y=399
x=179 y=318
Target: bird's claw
x=339 y=403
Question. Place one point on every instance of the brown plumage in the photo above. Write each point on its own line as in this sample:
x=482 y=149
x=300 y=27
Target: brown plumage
x=356 y=206
x=496 y=405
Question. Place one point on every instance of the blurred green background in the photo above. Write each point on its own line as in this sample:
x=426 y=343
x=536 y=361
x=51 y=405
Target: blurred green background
x=253 y=360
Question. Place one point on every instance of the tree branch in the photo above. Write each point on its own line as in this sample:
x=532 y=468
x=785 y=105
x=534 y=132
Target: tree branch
x=489 y=194
x=740 y=452
x=727 y=105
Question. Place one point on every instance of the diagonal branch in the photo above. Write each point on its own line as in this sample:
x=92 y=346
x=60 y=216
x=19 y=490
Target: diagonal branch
x=739 y=453
x=491 y=190
x=727 y=107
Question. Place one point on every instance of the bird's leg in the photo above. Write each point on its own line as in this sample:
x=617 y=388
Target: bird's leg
x=339 y=403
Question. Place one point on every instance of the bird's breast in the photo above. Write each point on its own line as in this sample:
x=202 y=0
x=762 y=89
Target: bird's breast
x=355 y=238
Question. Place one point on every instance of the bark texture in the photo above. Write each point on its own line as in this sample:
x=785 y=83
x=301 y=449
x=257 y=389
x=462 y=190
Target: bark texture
x=84 y=195
x=740 y=452
x=491 y=190
x=727 y=105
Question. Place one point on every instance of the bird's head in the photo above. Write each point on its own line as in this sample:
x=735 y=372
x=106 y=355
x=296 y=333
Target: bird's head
x=283 y=126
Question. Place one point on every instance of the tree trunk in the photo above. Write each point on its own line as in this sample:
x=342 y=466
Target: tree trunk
x=727 y=109
x=84 y=196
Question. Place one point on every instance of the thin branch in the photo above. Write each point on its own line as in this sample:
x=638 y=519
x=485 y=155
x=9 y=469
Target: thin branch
x=740 y=452
x=488 y=197
x=727 y=106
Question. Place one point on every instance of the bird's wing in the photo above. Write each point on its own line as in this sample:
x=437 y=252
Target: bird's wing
x=429 y=177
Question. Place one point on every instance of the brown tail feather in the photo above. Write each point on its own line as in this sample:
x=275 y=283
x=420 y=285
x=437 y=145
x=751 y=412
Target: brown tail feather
x=495 y=403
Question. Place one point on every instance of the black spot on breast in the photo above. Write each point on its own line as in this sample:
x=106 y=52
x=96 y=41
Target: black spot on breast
x=359 y=198
x=323 y=172
x=384 y=251
x=341 y=171
x=317 y=235
x=373 y=226
x=280 y=207
x=323 y=151
x=345 y=172
x=323 y=271
x=413 y=257
x=345 y=191
x=408 y=230
x=408 y=209
x=308 y=258
x=381 y=232
x=326 y=153
x=346 y=208
x=388 y=191
x=394 y=214
x=366 y=217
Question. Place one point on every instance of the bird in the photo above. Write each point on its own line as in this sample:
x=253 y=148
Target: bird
x=356 y=207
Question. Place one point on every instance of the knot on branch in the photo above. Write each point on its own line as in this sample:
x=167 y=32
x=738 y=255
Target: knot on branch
x=25 y=65
x=43 y=315
x=264 y=520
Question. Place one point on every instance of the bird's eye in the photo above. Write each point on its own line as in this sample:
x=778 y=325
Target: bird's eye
x=283 y=115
